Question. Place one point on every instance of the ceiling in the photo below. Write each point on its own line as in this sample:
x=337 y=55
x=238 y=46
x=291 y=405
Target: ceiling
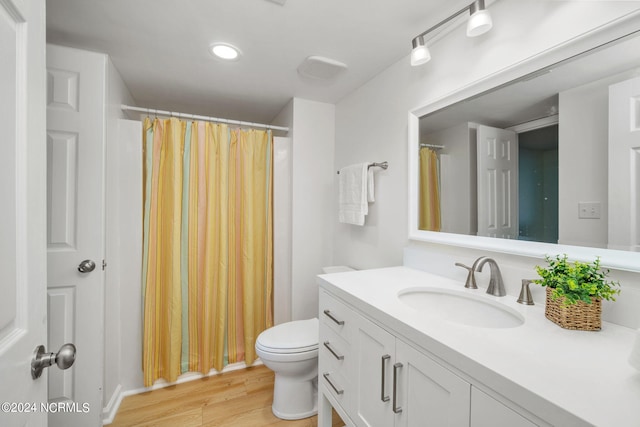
x=160 y=47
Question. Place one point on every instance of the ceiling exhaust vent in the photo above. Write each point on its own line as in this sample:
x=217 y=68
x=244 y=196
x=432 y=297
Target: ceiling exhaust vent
x=322 y=68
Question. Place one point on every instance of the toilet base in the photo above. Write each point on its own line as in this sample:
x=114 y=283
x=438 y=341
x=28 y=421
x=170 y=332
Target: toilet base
x=294 y=400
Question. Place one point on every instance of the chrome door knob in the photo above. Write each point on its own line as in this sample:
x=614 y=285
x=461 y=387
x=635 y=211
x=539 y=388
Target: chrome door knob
x=86 y=266
x=64 y=358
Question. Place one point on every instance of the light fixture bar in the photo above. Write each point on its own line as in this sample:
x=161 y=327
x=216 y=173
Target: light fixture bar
x=450 y=18
x=479 y=23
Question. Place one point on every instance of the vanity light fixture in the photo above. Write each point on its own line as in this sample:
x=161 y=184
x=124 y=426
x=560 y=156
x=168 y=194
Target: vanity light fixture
x=225 y=51
x=480 y=20
x=420 y=53
x=479 y=23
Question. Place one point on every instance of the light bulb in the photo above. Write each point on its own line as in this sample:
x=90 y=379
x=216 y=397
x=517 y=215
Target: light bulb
x=420 y=53
x=479 y=23
x=225 y=51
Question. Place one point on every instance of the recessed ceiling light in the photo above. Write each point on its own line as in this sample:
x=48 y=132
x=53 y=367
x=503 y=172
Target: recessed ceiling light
x=225 y=51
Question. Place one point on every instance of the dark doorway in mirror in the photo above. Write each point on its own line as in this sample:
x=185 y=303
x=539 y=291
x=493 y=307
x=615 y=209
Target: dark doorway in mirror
x=538 y=185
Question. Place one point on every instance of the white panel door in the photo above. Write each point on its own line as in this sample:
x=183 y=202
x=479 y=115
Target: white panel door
x=497 y=183
x=75 y=199
x=23 y=259
x=624 y=165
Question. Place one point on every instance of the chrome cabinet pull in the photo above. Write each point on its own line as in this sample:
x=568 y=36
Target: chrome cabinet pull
x=336 y=355
x=326 y=377
x=396 y=408
x=383 y=369
x=328 y=314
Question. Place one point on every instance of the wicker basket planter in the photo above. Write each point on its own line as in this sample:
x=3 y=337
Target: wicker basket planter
x=579 y=316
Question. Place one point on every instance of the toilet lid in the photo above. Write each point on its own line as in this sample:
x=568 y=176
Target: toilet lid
x=291 y=337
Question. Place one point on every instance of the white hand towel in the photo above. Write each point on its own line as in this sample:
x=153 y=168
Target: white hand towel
x=370 y=190
x=352 y=203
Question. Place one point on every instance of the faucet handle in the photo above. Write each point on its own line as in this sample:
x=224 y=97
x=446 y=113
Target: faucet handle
x=525 y=293
x=470 y=283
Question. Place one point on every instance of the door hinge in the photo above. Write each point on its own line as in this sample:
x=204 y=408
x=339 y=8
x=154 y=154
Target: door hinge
x=104 y=264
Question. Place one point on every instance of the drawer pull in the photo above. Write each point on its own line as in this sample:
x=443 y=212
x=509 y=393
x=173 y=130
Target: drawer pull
x=330 y=316
x=383 y=369
x=396 y=408
x=326 y=377
x=336 y=355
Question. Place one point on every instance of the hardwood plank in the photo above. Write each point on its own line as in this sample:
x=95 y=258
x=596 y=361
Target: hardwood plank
x=192 y=418
x=238 y=398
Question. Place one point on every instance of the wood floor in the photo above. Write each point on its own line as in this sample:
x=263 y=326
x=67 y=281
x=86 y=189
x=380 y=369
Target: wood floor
x=238 y=398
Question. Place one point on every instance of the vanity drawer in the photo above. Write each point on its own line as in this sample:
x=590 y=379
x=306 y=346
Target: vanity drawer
x=337 y=316
x=334 y=351
x=338 y=387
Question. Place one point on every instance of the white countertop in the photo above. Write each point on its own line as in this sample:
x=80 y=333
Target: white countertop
x=584 y=374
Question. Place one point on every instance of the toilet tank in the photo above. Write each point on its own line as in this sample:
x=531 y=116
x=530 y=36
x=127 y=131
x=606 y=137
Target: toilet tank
x=336 y=269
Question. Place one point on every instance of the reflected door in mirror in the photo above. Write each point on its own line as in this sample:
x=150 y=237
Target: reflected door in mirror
x=497 y=182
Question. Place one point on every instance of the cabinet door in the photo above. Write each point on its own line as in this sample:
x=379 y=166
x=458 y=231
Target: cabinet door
x=374 y=348
x=488 y=412
x=427 y=393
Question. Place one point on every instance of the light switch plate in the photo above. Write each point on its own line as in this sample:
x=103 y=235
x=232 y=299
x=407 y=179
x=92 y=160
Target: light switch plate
x=589 y=210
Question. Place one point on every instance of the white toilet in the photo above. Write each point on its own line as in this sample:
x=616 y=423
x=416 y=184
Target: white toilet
x=291 y=351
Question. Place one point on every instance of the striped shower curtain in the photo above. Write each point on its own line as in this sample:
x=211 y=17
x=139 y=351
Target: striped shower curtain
x=429 y=215
x=208 y=246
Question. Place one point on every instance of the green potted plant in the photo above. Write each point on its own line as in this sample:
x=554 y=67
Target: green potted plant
x=575 y=291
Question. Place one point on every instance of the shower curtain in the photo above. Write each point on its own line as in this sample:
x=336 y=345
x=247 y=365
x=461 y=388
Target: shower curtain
x=429 y=215
x=208 y=245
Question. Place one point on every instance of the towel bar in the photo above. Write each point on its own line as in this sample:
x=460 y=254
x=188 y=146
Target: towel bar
x=383 y=165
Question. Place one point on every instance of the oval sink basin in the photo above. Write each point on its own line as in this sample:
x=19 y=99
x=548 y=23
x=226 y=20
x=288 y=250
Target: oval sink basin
x=459 y=307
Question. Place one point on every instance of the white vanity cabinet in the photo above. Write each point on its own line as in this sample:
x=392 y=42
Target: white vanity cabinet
x=376 y=379
x=447 y=373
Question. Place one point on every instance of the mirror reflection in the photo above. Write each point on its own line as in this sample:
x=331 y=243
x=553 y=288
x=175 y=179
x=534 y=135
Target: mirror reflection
x=545 y=158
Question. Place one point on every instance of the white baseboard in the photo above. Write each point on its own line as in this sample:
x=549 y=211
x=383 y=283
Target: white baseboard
x=110 y=411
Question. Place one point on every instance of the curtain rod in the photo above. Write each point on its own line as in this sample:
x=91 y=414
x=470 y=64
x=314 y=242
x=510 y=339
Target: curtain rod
x=201 y=118
x=437 y=147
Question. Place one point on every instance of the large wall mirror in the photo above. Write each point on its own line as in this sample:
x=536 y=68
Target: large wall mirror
x=548 y=162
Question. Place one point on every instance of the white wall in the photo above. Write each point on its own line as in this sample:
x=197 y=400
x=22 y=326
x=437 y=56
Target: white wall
x=117 y=94
x=129 y=253
x=584 y=129
x=282 y=153
x=313 y=173
x=371 y=123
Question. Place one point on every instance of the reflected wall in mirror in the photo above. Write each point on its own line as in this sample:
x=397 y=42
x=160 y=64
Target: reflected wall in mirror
x=550 y=158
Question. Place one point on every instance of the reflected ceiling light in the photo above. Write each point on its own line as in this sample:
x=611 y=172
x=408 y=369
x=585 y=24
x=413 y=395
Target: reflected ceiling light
x=479 y=23
x=225 y=51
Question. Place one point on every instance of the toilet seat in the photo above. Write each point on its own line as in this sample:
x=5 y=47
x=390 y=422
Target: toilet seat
x=299 y=336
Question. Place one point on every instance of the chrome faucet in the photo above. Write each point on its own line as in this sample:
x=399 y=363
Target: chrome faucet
x=496 y=284
x=470 y=283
